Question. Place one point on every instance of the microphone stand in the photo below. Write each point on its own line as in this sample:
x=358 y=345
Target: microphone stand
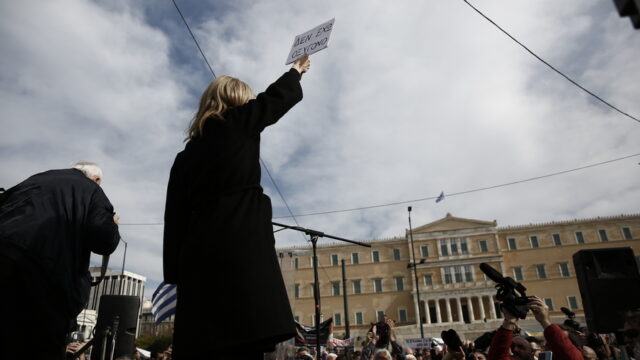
x=313 y=237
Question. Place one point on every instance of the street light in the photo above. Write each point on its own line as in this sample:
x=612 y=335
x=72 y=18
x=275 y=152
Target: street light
x=415 y=275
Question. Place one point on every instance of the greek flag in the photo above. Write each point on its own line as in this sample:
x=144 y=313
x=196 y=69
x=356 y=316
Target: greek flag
x=164 y=302
x=440 y=197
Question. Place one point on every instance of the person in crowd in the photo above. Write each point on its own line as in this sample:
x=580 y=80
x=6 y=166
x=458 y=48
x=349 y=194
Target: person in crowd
x=556 y=340
x=216 y=209
x=332 y=356
x=631 y=333
x=49 y=225
x=368 y=345
x=382 y=354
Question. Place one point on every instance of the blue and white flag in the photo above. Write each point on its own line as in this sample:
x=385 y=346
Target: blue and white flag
x=164 y=301
x=440 y=197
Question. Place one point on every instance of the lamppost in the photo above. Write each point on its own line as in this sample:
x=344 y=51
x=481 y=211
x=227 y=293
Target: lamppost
x=123 y=260
x=415 y=275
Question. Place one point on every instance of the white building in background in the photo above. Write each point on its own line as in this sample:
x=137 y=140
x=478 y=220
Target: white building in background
x=114 y=283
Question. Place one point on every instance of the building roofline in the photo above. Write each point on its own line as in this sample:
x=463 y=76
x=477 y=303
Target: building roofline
x=569 y=222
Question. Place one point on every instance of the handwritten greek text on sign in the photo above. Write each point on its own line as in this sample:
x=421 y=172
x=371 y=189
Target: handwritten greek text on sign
x=311 y=41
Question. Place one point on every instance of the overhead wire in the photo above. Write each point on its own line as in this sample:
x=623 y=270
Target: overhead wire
x=551 y=66
x=264 y=165
x=448 y=194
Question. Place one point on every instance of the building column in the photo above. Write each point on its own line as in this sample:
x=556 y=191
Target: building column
x=459 y=306
x=472 y=317
x=448 y=307
x=438 y=315
x=481 y=303
x=428 y=313
x=493 y=308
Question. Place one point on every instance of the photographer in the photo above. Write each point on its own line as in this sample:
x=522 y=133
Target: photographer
x=556 y=340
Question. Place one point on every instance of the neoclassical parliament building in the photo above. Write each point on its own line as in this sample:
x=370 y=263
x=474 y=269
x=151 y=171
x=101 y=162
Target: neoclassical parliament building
x=454 y=293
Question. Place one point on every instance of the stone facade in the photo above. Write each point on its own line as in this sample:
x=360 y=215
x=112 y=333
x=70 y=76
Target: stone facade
x=454 y=293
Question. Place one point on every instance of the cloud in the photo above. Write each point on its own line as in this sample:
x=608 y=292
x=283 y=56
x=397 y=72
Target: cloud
x=409 y=100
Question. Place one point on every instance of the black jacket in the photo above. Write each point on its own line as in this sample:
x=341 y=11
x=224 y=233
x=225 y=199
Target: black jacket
x=218 y=238
x=50 y=224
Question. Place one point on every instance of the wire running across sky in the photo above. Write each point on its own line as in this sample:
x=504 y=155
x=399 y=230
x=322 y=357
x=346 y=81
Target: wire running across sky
x=448 y=194
x=551 y=66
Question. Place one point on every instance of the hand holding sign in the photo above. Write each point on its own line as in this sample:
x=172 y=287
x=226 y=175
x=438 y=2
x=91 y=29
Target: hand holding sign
x=302 y=64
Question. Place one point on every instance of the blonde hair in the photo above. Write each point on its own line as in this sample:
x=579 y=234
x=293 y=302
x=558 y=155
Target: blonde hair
x=223 y=93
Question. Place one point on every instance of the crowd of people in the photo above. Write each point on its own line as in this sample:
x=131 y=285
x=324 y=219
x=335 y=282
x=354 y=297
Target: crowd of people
x=566 y=341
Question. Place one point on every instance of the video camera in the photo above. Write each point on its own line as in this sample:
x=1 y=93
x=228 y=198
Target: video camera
x=570 y=321
x=510 y=292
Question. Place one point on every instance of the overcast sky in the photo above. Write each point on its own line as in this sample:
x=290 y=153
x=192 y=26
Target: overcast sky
x=410 y=99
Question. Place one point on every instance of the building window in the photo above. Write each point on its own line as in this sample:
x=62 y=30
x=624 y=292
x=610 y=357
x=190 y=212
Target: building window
x=464 y=248
x=354 y=258
x=549 y=303
x=399 y=283
x=402 y=315
x=356 y=287
x=556 y=239
x=579 y=237
x=542 y=274
x=424 y=249
x=458 y=273
x=296 y=318
x=564 y=270
x=335 y=288
x=428 y=280
x=573 y=302
x=447 y=276
x=483 y=246
x=396 y=254
x=311 y=261
x=512 y=243
x=517 y=273
x=313 y=289
x=375 y=256
x=468 y=273
x=337 y=319
x=377 y=285
x=603 y=235
x=379 y=315
x=444 y=250
x=454 y=246
x=359 y=318
x=534 y=241
x=295 y=263
x=626 y=233
x=334 y=259
x=296 y=291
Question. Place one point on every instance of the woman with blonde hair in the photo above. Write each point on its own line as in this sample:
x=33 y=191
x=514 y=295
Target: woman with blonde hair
x=218 y=238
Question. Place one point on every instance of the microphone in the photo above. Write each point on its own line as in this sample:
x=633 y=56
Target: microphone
x=492 y=273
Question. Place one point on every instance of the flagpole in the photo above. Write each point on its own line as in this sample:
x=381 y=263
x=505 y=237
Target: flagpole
x=415 y=275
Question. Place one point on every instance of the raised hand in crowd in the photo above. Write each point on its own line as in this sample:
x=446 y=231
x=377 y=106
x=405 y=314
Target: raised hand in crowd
x=453 y=354
x=540 y=311
x=73 y=347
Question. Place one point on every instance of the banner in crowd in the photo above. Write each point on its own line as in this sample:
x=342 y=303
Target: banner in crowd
x=340 y=347
x=306 y=335
x=419 y=343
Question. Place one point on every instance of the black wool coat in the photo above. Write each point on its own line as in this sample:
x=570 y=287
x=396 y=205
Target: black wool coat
x=49 y=225
x=218 y=239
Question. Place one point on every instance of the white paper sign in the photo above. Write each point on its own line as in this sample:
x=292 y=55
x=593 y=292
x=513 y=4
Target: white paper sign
x=311 y=41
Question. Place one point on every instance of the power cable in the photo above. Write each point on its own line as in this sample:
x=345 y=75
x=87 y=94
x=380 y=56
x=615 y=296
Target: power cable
x=463 y=192
x=275 y=185
x=449 y=194
x=551 y=66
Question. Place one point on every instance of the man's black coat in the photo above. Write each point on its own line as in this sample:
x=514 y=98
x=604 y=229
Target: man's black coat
x=49 y=225
x=218 y=242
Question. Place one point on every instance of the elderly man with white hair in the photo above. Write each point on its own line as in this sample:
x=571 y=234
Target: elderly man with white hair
x=49 y=225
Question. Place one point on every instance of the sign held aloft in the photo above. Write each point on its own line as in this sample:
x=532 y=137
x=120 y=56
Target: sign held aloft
x=311 y=41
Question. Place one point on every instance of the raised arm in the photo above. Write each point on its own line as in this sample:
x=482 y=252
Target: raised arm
x=269 y=106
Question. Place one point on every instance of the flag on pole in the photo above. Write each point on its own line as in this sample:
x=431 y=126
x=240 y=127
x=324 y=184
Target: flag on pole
x=164 y=302
x=440 y=197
